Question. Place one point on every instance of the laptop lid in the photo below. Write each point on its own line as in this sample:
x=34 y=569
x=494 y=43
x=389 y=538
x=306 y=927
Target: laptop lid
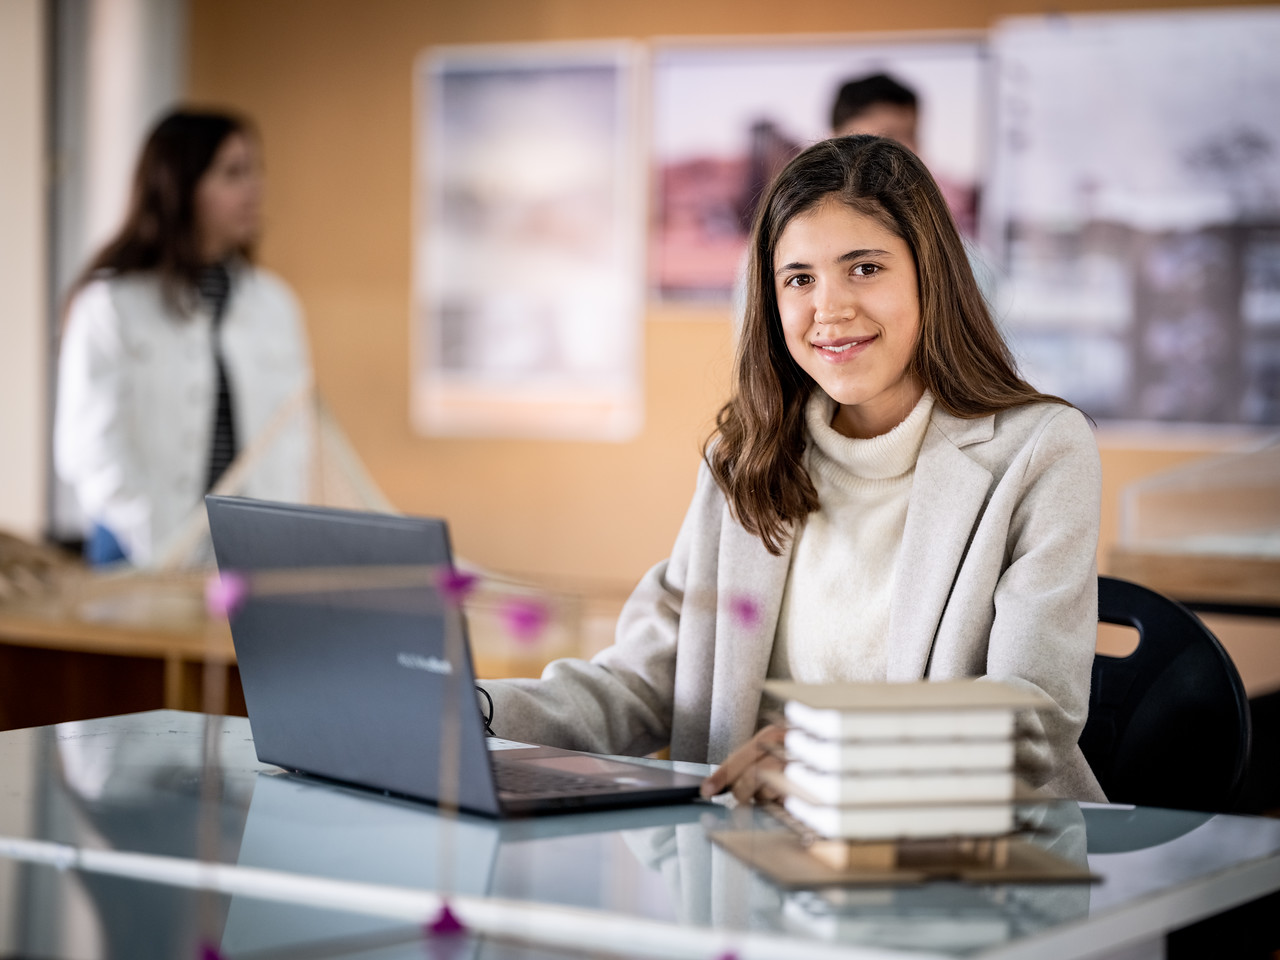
x=364 y=679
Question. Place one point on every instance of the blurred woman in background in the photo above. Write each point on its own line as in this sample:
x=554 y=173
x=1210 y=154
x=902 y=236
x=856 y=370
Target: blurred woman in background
x=177 y=352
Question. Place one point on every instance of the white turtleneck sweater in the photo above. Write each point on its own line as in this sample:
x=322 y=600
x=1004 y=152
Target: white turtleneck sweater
x=835 y=608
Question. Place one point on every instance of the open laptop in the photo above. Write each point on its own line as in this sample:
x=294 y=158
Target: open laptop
x=369 y=680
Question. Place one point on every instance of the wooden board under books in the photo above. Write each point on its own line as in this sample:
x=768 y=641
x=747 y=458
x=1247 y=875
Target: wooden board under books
x=782 y=857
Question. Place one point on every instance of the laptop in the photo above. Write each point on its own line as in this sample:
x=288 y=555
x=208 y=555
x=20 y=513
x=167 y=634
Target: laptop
x=368 y=680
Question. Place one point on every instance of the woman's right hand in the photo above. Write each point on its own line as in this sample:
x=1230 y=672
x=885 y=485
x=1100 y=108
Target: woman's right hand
x=741 y=770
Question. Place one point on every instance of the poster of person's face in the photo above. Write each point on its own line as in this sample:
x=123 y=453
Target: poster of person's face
x=728 y=116
x=528 y=243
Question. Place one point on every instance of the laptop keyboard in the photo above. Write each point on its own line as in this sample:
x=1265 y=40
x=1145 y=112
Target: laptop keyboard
x=524 y=780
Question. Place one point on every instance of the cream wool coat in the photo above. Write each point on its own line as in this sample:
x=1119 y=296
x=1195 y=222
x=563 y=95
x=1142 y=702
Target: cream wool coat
x=996 y=579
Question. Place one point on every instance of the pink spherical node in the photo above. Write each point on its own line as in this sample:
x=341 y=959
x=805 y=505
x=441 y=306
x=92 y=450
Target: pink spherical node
x=208 y=951
x=446 y=924
x=744 y=610
x=525 y=618
x=455 y=585
x=225 y=593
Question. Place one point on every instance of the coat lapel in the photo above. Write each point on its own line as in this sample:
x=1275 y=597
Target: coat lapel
x=947 y=497
x=750 y=583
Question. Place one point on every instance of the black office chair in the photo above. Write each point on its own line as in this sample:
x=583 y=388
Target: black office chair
x=1169 y=724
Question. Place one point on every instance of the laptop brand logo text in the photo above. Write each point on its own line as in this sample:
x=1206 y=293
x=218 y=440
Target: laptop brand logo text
x=415 y=661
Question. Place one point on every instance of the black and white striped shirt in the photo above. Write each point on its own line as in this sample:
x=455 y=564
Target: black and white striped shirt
x=214 y=285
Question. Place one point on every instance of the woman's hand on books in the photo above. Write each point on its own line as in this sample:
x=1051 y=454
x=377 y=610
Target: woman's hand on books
x=741 y=770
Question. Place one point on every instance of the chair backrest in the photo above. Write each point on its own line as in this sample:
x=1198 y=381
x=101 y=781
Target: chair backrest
x=1169 y=724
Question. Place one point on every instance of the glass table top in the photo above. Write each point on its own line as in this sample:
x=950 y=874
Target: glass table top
x=140 y=784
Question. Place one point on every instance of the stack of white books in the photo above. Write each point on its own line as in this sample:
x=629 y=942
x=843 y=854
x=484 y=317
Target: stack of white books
x=891 y=761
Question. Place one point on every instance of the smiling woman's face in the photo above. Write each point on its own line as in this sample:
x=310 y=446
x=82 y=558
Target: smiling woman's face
x=849 y=301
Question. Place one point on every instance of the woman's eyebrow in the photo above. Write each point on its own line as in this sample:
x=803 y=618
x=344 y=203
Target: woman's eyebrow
x=859 y=254
x=843 y=258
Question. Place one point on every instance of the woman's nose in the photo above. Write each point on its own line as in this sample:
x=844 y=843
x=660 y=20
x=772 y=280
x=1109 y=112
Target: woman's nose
x=833 y=305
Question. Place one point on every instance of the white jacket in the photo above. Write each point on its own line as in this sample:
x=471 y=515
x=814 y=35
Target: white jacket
x=136 y=395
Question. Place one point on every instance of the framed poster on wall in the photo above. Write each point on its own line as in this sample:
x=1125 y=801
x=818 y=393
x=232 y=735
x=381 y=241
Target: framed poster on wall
x=528 y=291
x=728 y=116
x=1134 y=207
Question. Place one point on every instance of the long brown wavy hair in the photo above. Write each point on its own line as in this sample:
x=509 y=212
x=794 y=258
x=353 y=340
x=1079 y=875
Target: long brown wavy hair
x=756 y=453
x=160 y=233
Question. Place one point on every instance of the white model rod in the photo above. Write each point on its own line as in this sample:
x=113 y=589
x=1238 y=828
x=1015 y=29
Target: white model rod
x=540 y=923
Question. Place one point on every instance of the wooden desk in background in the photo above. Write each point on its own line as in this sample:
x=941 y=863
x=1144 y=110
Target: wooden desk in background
x=1215 y=583
x=140 y=647
x=103 y=646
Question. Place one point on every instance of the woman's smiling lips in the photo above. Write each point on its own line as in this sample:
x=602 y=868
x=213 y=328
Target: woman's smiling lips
x=842 y=349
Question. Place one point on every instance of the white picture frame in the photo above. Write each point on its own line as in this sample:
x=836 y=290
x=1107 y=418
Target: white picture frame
x=528 y=239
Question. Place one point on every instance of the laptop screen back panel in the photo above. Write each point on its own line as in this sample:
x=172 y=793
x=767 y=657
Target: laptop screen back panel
x=367 y=684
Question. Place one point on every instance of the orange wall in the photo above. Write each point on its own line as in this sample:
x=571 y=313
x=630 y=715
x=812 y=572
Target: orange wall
x=329 y=83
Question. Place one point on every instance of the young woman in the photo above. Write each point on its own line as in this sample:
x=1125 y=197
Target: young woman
x=884 y=499
x=177 y=351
